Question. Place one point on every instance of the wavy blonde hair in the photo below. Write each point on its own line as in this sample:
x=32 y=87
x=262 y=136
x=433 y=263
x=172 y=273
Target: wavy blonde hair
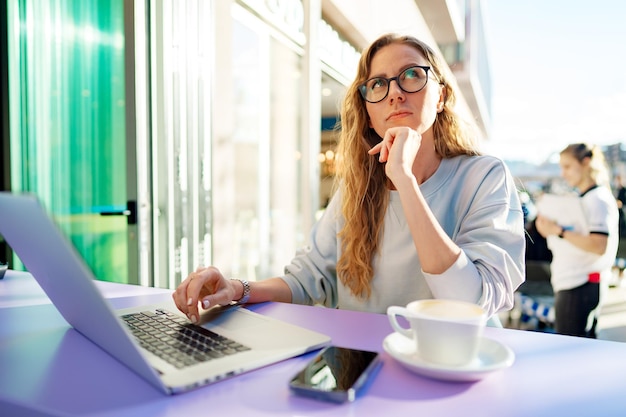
x=362 y=179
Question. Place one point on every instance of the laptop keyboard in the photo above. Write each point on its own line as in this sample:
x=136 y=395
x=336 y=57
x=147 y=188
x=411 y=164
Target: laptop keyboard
x=176 y=340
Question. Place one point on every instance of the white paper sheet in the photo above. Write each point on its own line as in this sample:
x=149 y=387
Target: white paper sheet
x=566 y=210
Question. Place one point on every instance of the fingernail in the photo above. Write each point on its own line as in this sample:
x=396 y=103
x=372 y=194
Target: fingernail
x=193 y=319
x=189 y=301
x=206 y=303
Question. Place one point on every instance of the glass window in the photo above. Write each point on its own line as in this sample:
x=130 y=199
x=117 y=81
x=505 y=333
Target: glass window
x=67 y=126
x=257 y=152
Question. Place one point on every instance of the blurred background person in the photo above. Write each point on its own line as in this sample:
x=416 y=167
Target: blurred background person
x=581 y=263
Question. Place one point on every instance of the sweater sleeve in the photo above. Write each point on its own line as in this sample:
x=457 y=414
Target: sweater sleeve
x=490 y=234
x=312 y=273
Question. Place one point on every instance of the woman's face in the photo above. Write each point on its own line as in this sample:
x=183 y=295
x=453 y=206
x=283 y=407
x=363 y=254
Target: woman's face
x=416 y=110
x=572 y=170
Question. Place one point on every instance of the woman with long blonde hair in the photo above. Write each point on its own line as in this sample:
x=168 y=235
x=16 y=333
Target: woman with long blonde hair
x=418 y=212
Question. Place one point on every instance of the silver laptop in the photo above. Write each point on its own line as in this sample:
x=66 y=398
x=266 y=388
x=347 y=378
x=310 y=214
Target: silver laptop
x=230 y=340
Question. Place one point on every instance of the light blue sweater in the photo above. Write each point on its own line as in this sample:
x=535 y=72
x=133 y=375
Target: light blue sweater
x=475 y=201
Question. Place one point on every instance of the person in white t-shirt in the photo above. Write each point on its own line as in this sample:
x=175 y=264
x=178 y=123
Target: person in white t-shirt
x=418 y=213
x=581 y=263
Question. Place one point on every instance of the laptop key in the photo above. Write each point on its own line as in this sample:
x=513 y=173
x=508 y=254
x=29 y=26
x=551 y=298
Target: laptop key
x=177 y=341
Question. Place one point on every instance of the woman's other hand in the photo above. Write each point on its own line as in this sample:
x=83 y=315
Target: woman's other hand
x=207 y=286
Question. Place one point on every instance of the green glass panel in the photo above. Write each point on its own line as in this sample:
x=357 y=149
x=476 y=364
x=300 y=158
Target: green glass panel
x=67 y=106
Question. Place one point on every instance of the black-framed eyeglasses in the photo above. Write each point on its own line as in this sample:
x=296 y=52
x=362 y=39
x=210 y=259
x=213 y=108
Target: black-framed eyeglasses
x=411 y=80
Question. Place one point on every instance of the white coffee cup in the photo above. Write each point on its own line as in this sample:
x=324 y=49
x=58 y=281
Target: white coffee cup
x=446 y=332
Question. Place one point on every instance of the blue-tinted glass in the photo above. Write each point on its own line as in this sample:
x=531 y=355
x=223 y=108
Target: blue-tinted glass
x=67 y=107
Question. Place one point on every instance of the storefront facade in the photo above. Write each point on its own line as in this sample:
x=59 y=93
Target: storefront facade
x=228 y=115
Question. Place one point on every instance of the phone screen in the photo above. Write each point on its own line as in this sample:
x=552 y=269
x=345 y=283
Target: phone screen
x=335 y=374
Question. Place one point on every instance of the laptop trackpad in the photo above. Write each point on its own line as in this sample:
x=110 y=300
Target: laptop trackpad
x=231 y=318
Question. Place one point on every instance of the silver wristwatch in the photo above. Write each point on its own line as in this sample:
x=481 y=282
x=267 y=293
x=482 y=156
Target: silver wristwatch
x=246 y=291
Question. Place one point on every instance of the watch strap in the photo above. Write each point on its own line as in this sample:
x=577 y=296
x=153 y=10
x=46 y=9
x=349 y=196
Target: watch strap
x=246 y=291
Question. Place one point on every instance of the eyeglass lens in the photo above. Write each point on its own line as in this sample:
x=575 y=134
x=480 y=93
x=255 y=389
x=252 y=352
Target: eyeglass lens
x=411 y=80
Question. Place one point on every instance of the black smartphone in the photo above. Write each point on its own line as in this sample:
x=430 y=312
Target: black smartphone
x=335 y=374
x=3 y=269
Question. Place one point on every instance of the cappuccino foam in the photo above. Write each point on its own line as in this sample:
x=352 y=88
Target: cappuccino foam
x=450 y=310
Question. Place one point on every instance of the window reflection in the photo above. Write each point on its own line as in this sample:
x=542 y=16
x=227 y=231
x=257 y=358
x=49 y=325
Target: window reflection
x=258 y=219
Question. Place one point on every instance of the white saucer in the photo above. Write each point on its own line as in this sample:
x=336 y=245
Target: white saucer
x=492 y=356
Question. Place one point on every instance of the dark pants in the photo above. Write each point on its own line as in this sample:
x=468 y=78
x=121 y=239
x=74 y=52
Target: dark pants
x=573 y=307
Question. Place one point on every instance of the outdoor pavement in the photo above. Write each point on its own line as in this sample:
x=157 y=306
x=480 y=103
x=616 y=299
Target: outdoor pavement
x=611 y=322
